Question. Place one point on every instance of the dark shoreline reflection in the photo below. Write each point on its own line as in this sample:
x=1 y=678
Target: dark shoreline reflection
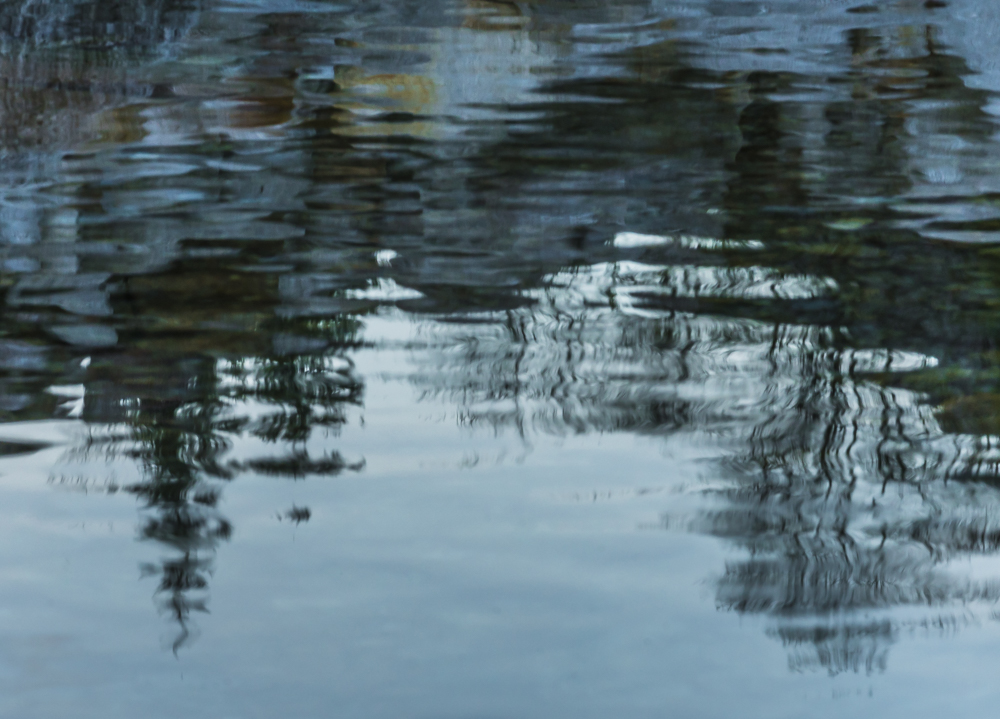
x=779 y=260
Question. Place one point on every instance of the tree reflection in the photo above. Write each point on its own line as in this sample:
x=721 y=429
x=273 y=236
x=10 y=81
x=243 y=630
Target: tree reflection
x=178 y=415
x=797 y=341
x=214 y=266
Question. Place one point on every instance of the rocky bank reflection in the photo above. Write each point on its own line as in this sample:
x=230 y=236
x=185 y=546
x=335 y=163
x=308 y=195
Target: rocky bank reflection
x=610 y=218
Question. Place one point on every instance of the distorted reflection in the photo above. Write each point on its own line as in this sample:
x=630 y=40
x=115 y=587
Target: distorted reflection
x=613 y=217
x=791 y=336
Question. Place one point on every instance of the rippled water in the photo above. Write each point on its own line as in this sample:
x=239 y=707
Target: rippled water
x=482 y=358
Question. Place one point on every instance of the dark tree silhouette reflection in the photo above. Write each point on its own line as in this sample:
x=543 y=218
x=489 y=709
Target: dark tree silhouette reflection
x=177 y=416
x=855 y=401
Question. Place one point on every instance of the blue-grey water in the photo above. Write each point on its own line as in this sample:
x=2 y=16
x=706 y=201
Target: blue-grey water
x=496 y=359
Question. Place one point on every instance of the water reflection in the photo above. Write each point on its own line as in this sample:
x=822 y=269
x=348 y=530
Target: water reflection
x=848 y=493
x=624 y=217
x=176 y=415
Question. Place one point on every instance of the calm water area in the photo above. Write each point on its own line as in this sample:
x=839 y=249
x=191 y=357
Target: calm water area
x=496 y=359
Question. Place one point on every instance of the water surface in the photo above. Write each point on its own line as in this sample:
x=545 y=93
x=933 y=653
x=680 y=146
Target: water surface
x=477 y=358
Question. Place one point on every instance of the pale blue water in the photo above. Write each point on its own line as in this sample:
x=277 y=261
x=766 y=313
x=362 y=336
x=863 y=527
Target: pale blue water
x=486 y=359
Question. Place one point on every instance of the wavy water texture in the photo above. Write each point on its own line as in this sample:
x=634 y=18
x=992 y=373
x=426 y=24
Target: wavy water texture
x=766 y=228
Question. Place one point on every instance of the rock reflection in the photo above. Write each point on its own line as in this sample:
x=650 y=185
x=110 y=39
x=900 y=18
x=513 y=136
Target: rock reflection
x=63 y=62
